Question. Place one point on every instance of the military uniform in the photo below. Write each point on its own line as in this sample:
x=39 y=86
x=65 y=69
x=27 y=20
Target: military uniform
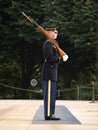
x=50 y=77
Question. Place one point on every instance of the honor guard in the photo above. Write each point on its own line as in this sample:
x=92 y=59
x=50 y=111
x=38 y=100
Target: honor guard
x=50 y=74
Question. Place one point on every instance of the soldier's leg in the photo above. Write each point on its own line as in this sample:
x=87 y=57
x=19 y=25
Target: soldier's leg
x=45 y=92
x=53 y=96
x=47 y=97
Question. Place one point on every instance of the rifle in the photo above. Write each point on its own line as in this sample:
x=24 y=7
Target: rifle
x=31 y=20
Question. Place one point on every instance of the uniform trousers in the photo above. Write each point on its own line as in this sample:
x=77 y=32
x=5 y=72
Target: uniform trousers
x=49 y=96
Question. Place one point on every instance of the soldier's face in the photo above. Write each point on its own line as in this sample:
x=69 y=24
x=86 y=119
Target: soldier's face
x=53 y=34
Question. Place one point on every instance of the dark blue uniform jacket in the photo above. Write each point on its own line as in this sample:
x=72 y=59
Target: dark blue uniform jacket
x=52 y=59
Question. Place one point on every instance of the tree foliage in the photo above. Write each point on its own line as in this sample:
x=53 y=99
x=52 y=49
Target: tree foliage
x=21 y=42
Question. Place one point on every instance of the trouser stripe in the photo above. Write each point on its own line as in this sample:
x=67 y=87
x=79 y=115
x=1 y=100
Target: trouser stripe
x=49 y=91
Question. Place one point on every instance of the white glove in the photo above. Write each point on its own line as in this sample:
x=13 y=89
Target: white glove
x=65 y=57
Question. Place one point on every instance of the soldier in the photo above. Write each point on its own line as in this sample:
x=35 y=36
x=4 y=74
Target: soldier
x=50 y=74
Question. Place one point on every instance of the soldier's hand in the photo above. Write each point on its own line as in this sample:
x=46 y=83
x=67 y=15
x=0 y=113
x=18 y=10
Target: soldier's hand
x=65 y=57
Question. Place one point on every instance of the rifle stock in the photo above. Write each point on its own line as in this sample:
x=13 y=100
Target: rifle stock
x=61 y=52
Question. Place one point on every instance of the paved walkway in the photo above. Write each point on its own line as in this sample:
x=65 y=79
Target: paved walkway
x=18 y=115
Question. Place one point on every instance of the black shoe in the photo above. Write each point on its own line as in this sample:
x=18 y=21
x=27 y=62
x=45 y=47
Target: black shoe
x=47 y=118
x=54 y=118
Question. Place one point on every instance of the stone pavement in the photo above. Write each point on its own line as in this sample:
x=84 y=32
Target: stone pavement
x=19 y=114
